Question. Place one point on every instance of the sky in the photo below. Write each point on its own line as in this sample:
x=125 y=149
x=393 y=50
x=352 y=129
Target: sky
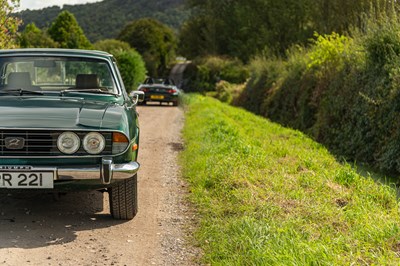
x=39 y=4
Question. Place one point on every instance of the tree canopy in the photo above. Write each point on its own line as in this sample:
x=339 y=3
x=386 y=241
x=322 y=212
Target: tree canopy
x=111 y=45
x=105 y=19
x=155 y=41
x=244 y=28
x=8 y=23
x=66 y=31
x=32 y=37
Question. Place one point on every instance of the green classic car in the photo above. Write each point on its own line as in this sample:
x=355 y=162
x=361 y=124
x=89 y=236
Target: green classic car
x=66 y=124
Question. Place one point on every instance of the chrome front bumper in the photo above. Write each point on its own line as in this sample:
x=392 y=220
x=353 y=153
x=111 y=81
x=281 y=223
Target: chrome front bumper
x=106 y=172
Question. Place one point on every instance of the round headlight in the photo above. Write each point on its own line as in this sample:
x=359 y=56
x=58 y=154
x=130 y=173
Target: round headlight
x=68 y=142
x=94 y=143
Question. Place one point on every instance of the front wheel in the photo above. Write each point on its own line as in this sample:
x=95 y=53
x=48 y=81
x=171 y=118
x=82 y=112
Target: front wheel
x=123 y=199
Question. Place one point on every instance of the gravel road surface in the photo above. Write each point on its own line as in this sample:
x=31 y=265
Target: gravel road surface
x=76 y=229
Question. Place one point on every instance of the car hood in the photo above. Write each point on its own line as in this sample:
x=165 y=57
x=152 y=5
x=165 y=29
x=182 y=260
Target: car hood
x=54 y=112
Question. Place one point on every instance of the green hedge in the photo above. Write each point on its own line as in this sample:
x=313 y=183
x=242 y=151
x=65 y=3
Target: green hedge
x=132 y=68
x=344 y=92
x=205 y=73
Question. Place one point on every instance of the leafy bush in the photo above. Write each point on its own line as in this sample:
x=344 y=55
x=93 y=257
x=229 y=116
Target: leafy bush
x=226 y=92
x=209 y=71
x=328 y=51
x=130 y=62
x=111 y=45
x=265 y=75
x=383 y=45
x=132 y=67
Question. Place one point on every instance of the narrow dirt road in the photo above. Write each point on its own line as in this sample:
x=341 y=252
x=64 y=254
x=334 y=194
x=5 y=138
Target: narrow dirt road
x=76 y=229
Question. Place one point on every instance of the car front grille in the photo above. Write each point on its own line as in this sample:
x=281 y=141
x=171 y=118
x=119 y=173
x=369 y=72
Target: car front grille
x=42 y=143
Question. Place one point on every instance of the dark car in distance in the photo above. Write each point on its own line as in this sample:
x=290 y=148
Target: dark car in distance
x=67 y=123
x=162 y=90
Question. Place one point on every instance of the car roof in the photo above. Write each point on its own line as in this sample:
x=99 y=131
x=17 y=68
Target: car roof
x=55 y=51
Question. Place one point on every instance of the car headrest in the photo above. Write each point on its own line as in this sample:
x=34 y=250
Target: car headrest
x=19 y=80
x=87 y=81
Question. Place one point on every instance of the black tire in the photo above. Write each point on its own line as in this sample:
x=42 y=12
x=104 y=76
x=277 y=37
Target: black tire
x=175 y=103
x=123 y=199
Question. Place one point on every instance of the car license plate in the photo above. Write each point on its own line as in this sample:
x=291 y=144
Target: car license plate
x=31 y=179
x=156 y=97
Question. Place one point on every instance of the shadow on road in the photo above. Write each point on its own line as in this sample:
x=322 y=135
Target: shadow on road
x=30 y=220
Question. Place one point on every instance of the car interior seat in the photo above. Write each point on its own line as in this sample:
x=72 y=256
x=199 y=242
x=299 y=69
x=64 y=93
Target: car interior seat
x=20 y=80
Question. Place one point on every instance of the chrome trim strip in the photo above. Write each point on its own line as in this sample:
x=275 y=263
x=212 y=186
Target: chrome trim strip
x=56 y=156
x=61 y=129
x=119 y=171
x=106 y=170
x=27 y=168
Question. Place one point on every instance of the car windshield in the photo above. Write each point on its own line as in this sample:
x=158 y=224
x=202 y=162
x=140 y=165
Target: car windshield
x=46 y=74
x=158 y=81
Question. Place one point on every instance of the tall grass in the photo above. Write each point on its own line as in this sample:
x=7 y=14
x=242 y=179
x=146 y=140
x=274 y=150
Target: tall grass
x=268 y=195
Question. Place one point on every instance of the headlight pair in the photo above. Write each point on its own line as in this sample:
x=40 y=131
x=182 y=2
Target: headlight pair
x=69 y=143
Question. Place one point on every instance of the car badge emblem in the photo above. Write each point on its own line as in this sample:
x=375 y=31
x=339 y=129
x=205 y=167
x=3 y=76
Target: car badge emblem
x=14 y=143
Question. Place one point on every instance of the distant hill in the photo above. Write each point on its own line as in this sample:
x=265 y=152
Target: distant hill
x=105 y=19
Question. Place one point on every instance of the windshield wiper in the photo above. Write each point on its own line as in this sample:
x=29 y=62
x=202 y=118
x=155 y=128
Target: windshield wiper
x=21 y=91
x=100 y=91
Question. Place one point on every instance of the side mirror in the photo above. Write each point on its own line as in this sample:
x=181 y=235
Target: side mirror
x=137 y=95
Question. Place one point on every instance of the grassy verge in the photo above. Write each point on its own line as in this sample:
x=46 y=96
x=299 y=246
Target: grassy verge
x=268 y=195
